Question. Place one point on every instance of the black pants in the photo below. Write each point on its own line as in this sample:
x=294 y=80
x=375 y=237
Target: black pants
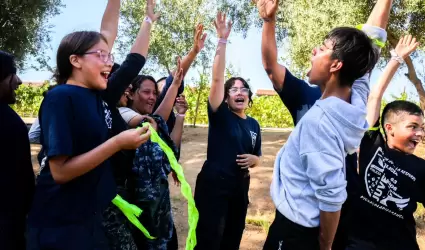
x=222 y=204
x=287 y=235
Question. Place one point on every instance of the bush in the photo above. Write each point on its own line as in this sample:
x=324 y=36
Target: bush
x=28 y=99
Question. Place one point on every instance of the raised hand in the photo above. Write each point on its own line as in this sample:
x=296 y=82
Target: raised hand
x=178 y=75
x=199 y=39
x=150 y=10
x=223 y=29
x=406 y=46
x=267 y=8
x=181 y=105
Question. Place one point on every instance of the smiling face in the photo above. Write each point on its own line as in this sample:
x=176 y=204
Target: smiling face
x=144 y=98
x=94 y=66
x=8 y=87
x=238 y=97
x=405 y=134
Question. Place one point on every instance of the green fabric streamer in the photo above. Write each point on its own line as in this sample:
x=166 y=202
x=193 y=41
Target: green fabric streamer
x=131 y=212
x=375 y=41
x=193 y=213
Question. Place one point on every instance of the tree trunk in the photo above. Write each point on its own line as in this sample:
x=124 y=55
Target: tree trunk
x=411 y=73
x=197 y=106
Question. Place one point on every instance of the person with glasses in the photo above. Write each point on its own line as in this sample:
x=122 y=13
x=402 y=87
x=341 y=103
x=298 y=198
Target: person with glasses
x=17 y=184
x=234 y=146
x=78 y=135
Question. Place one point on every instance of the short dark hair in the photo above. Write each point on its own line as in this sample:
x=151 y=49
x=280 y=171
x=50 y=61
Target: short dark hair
x=76 y=43
x=7 y=65
x=229 y=84
x=137 y=81
x=395 y=108
x=355 y=50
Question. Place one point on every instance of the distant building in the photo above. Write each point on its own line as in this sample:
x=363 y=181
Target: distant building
x=34 y=83
x=265 y=92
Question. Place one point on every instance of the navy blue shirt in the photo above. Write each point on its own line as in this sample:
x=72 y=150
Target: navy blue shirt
x=17 y=184
x=298 y=96
x=172 y=118
x=228 y=136
x=73 y=121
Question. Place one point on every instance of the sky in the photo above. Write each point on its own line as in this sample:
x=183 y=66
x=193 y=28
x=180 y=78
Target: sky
x=243 y=54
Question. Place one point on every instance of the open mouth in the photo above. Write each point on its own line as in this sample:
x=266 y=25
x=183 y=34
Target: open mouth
x=414 y=142
x=105 y=74
x=239 y=100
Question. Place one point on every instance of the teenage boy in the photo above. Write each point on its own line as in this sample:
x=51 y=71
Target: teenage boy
x=393 y=179
x=344 y=57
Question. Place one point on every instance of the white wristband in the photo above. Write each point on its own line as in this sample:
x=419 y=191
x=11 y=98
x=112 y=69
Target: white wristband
x=396 y=57
x=148 y=20
x=222 y=40
x=181 y=115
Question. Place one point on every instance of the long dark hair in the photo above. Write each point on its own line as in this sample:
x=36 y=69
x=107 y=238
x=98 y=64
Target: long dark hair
x=229 y=84
x=76 y=43
x=137 y=82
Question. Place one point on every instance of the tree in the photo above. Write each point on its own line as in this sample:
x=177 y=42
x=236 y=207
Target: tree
x=24 y=28
x=304 y=23
x=201 y=92
x=172 y=34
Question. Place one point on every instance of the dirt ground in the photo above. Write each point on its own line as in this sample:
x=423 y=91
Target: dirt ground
x=261 y=209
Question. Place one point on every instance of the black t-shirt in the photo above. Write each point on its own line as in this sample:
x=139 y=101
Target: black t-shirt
x=392 y=183
x=228 y=136
x=73 y=121
x=172 y=118
x=17 y=183
x=121 y=77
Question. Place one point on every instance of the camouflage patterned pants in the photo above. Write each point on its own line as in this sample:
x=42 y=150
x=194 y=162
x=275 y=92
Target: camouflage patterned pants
x=117 y=229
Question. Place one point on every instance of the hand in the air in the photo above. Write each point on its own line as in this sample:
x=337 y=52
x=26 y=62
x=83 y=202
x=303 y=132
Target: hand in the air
x=150 y=10
x=199 y=39
x=406 y=46
x=267 y=8
x=223 y=29
x=178 y=75
x=181 y=105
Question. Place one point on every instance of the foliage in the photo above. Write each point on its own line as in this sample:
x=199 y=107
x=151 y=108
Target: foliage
x=24 y=29
x=304 y=24
x=28 y=99
x=173 y=33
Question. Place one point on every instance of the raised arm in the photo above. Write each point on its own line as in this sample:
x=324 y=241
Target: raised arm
x=141 y=45
x=404 y=48
x=275 y=71
x=217 y=86
x=198 y=45
x=122 y=77
x=166 y=106
x=380 y=14
x=109 y=25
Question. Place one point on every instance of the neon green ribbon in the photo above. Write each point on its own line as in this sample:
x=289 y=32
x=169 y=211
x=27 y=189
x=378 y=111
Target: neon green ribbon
x=378 y=42
x=374 y=129
x=193 y=214
x=131 y=212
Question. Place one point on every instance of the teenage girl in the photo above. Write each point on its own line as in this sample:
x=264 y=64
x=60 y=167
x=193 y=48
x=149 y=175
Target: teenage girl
x=234 y=146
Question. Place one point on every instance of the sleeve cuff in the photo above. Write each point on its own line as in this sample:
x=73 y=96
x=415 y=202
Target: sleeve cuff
x=328 y=207
x=377 y=34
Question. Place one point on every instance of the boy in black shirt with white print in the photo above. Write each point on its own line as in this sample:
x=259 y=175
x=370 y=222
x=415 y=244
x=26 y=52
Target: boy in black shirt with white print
x=393 y=179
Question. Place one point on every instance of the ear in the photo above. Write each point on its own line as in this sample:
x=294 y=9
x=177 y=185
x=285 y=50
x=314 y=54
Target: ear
x=336 y=66
x=75 y=61
x=389 y=129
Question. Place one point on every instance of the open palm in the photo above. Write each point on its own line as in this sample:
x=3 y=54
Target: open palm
x=267 y=8
x=223 y=29
x=199 y=40
x=406 y=46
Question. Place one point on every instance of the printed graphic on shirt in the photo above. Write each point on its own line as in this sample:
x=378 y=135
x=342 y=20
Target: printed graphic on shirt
x=381 y=180
x=253 y=138
x=108 y=118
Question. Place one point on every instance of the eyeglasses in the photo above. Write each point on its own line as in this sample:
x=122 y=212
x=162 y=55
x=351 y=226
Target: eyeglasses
x=244 y=91
x=103 y=55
